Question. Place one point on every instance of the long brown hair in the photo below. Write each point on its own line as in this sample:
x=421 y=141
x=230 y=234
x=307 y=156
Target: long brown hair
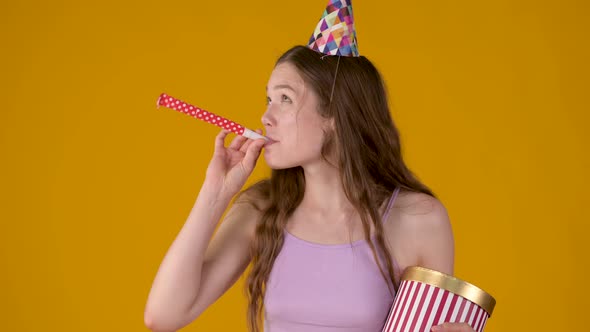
x=367 y=148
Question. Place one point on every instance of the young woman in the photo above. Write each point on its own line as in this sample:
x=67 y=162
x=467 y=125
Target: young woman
x=329 y=233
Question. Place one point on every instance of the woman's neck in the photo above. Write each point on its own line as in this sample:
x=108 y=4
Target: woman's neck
x=324 y=192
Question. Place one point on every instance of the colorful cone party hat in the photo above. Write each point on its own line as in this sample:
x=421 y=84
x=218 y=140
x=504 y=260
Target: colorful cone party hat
x=335 y=34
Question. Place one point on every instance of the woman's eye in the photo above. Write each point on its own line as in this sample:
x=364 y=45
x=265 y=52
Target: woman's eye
x=286 y=99
x=268 y=100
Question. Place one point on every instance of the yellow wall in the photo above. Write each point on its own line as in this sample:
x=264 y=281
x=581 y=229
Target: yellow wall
x=95 y=182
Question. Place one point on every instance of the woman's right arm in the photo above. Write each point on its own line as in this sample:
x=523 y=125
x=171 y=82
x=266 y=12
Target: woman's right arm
x=194 y=272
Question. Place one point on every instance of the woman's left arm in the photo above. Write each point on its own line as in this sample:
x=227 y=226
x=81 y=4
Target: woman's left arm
x=435 y=247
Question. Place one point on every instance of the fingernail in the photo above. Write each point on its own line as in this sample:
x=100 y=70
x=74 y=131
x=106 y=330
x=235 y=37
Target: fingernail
x=436 y=329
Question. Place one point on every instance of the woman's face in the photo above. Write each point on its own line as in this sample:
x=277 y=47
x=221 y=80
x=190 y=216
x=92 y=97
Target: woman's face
x=292 y=120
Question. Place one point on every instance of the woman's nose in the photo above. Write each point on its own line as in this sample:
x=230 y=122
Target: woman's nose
x=267 y=118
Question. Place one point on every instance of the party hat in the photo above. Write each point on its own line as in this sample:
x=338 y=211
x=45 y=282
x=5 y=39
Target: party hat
x=335 y=34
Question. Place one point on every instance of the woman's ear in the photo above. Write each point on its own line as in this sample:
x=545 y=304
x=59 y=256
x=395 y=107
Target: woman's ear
x=330 y=125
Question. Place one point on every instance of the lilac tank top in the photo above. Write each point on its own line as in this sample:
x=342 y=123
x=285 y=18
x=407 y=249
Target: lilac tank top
x=327 y=287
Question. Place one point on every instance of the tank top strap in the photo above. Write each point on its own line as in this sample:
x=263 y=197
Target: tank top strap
x=390 y=204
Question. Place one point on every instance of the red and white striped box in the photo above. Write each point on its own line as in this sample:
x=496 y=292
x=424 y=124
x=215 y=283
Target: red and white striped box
x=426 y=298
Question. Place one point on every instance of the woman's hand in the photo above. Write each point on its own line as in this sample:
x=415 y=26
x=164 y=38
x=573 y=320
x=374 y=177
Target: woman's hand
x=230 y=167
x=452 y=327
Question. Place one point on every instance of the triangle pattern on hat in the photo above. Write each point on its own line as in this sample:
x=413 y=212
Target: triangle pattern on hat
x=335 y=34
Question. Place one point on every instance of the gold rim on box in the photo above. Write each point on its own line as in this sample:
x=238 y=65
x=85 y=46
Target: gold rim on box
x=451 y=284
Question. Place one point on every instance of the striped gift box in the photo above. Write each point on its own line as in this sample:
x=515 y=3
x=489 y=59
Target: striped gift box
x=427 y=298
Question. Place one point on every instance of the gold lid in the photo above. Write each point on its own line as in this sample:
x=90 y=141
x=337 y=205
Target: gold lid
x=451 y=284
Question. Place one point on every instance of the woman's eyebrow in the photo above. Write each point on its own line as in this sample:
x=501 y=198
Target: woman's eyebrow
x=282 y=86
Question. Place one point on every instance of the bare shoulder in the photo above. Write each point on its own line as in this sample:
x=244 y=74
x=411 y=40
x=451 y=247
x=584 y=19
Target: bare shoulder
x=238 y=227
x=420 y=230
x=247 y=209
x=417 y=212
x=256 y=195
x=251 y=199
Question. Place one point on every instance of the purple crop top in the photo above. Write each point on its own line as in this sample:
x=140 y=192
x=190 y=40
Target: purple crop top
x=327 y=287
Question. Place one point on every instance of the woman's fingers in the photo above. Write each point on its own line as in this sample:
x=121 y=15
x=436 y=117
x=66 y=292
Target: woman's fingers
x=237 y=142
x=252 y=154
x=220 y=140
x=240 y=143
x=245 y=146
x=452 y=327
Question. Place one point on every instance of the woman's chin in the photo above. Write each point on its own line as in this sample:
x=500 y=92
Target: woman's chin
x=274 y=164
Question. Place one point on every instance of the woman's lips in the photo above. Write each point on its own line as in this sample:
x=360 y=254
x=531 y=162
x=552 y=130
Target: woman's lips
x=270 y=141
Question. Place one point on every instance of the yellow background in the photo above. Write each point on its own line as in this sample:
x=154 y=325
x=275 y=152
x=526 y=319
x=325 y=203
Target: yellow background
x=491 y=99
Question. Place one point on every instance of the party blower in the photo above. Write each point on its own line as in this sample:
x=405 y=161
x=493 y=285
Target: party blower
x=201 y=114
